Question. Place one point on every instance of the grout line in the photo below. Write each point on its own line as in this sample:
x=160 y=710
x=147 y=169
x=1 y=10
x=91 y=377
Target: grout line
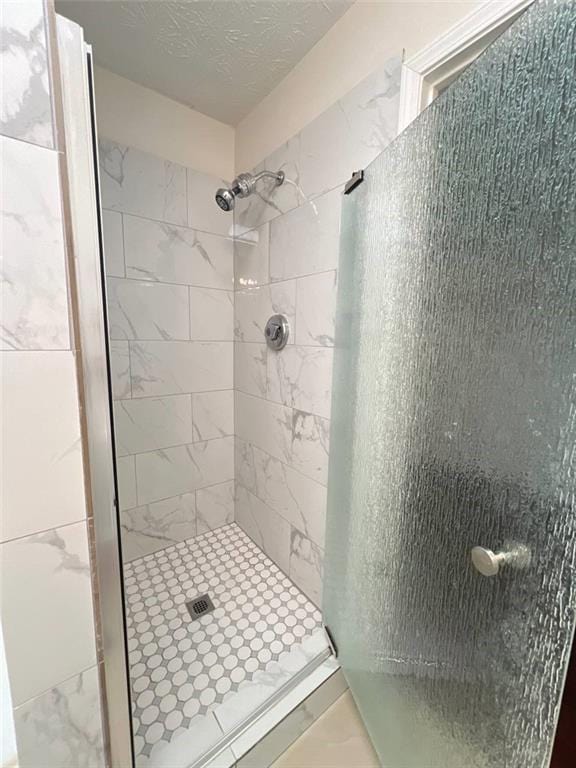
x=174 y=394
x=57 y=685
x=84 y=520
x=284 y=405
x=177 y=496
x=176 y=445
x=219 y=235
x=284 y=463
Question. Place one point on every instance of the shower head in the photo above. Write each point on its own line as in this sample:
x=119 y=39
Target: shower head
x=243 y=186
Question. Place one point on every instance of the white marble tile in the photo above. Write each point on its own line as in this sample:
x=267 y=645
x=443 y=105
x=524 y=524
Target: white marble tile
x=126 y=468
x=348 y=135
x=203 y=211
x=351 y=133
x=158 y=525
x=254 y=306
x=174 y=471
x=33 y=290
x=136 y=182
x=371 y=111
x=271 y=200
x=302 y=377
x=266 y=682
x=163 y=368
x=215 y=506
x=46 y=593
x=307 y=239
x=338 y=740
x=270 y=531
x=43 y=482
x=306 y=566
x=213 y=414
x=163 y=252
x=290 y=718
x=120 y=369
x=298 y=499
x=264 y=424
x=25 y=107
x=310 y=445
x=62 y=728
x=251 y=257
x=245 y=470
x=316 y=309
x=211 y=314
x=113 y=243
x=145 y=424
x=250 y=368
x=326 y=159
x=186 y=746
x=142 y=310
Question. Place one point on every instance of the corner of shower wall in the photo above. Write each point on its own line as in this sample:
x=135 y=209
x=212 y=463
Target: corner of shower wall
x=286 y=261
x=169 y=264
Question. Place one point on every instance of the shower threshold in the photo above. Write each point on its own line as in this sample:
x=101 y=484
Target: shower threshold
x=204 y=690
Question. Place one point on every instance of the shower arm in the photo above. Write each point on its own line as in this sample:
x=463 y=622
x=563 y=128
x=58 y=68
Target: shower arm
x=278 y=176
x=245 y=184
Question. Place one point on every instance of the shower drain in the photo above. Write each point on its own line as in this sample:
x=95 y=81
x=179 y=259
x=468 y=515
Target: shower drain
x=200 y=606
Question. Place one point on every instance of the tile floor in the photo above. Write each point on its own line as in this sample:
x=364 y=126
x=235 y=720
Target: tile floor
x=337 y=739
x=194 y=680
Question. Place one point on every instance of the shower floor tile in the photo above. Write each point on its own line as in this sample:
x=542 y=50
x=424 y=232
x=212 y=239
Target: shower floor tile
x=204 y=674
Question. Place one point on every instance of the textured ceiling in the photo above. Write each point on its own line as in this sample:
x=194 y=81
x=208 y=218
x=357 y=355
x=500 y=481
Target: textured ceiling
x=220 y=57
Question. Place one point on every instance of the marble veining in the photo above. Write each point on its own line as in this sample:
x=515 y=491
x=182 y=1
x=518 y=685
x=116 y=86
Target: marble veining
x=164 y=252
x=164 y=368
x=62 y=728
x=33 y=274
x=183 y=469
x=268 y=529
x=25 y=107
x=158 y=525
x=302 y=377
x=348 y=135
x=46 y=583
x=142 y=184
x=213 y=414
x=144 y=310
x=310 y=445
x=306 y=565
x=298 y=499
x=215 y=506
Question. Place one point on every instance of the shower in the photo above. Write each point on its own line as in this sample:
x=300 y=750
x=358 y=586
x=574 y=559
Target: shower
x=243 y=186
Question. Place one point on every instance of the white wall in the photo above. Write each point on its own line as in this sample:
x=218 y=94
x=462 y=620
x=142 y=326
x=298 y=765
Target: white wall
x=144 y=119
x=359 y=43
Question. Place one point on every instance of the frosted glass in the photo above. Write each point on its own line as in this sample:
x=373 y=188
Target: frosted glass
x=454 y=414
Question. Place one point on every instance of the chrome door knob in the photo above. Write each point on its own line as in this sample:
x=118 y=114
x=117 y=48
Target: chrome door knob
x=489 y=563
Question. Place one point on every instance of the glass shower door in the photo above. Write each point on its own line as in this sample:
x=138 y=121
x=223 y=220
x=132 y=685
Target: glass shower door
x=450 y=586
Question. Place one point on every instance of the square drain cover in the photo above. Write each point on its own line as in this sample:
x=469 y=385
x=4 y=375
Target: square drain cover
x=200 y=606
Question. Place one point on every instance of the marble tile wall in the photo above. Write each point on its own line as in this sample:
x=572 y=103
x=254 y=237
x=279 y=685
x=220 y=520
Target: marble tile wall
x=169 y=261
x=286 y=261
x=45 y=575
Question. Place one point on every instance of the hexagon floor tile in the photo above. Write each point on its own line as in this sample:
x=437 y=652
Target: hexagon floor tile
x=181 y=668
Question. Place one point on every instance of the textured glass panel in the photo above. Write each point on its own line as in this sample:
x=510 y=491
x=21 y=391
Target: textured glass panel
x=454 y=414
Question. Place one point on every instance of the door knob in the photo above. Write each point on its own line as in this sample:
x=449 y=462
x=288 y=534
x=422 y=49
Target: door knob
x=488 y=563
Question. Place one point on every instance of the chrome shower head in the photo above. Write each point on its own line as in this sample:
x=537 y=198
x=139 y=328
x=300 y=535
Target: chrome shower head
x=225 y=199
x=243 y=186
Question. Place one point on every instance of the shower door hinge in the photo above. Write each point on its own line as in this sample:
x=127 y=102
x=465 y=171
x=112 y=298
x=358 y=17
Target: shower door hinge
x=331 y=642
x=355 y=180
